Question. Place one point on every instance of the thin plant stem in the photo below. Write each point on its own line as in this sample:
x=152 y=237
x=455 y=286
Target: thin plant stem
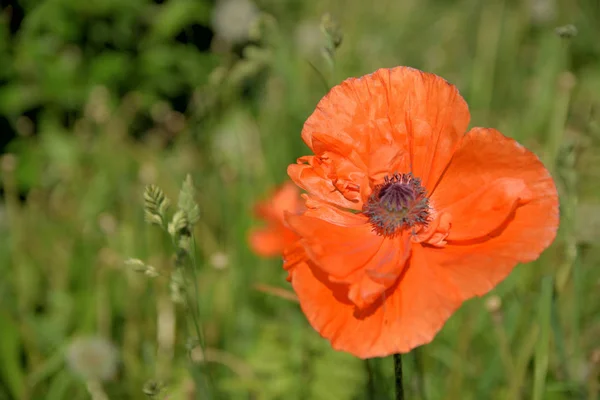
x=196 y=304
x=320 y=75
x=192 y=303
x=371 y=388
x=398 y=377
x=194 y=267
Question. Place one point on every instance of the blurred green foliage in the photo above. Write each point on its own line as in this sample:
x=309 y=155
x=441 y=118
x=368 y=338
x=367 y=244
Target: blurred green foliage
x=107 y=96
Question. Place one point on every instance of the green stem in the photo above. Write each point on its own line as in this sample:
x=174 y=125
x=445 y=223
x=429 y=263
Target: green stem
x=187 y=261
x=321 y=76
x=398 y=377
x=371 y=387
x=196 y=315
x=194 y=267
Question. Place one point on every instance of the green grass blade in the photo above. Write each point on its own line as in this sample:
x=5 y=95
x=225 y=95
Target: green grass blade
x=542 y=355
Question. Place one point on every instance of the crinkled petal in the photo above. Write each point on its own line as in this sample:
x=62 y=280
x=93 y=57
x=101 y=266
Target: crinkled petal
x=381 y=272
x=319 y=178
x=314 y=207
x=511 y=217
x=436 y=232
x=517 y=214
x=407 y=315
x=293 y=256
x=486 y=210
x=419 y=114
x=468 y=271
x=341 y=251
x=344 y=246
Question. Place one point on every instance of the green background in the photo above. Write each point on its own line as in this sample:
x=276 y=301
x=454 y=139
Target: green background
x=104 y=97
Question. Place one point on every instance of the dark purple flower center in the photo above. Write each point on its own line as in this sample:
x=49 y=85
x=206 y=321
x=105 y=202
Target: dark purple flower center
x=399 y=203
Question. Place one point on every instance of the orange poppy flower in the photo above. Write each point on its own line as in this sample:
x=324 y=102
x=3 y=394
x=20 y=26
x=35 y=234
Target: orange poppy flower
x=407 y=216
x=272 y=239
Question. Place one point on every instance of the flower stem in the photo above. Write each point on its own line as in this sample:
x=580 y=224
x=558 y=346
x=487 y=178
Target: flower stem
x=398 y=377
x=371 y=385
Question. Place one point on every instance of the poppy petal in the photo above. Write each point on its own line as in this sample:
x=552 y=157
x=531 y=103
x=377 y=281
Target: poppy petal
x=382 y=271
x=315 y=176
x=275 y=236
x=436 y=232
x=522 y=212
x=341 y=251
x=293 y=256
x=321 y=209
x=511 y=177
x=471 y=271
x=485 y=210
x=267 y=242
x=419 y=113
x=287 y=198
x=343 y=245
x=406 y=316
